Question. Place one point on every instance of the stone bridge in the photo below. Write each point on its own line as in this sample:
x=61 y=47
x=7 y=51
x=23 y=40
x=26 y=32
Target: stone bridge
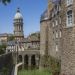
x=29 y=58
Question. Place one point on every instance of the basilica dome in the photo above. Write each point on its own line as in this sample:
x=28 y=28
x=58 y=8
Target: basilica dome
x=18 y=15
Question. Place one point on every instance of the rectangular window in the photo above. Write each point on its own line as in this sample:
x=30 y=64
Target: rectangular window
x=69 y=18
x=59 y=8
x=60 y=34
x=59 y=20
x=56 y=22
x=56 y=48
x=53 y=24
x=52 y=14
x=69 y=2
x=56 y=34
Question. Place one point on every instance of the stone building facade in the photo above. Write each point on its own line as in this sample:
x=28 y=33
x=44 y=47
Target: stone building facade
x=4 y=38
x=68 y=38
x=59 y=40
x=55 y=31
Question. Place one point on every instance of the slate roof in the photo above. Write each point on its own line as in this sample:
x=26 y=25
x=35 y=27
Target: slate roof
x=34 y=37
x=12 y=43
x=44 y=16
x=5 y=35
x=56 y=1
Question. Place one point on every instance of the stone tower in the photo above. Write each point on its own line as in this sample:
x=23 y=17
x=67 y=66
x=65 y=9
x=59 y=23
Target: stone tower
x=44 y=29
x=43 y=37
x=18 y=26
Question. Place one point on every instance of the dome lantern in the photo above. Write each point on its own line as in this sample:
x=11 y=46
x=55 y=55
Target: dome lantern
x=18 y=15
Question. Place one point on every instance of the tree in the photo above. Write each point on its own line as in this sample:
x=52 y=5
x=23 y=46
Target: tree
x=11 y=38
x=2 y=49
x=5 y=1
x=4 y=71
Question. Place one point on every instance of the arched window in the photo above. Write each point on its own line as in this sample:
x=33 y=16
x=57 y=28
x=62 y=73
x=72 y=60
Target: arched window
x=69 y=18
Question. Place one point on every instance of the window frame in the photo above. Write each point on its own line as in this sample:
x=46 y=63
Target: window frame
x=56 y=22
x=60 y=33
x=69 y=2
x=56 y=34
x=53 y=24
x=56 y=48
x=71 y=18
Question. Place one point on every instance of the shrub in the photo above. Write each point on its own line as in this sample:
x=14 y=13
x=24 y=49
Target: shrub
x=54 y=65
x=4 y=71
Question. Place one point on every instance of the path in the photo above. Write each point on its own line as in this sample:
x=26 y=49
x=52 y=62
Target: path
x=16 y=68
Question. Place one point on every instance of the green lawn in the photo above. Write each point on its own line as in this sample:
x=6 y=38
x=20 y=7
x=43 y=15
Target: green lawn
x=34 y=72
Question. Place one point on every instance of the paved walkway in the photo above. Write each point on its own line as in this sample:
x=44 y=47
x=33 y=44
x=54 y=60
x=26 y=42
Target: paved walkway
x=16 y=68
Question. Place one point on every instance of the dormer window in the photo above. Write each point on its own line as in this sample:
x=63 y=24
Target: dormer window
x=69 y=2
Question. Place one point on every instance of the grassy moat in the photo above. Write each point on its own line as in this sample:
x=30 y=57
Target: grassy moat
x=34 y=72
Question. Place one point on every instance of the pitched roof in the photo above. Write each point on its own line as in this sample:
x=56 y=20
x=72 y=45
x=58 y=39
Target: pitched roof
x=5 y=34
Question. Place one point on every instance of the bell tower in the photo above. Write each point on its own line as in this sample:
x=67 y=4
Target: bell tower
x=18 y=26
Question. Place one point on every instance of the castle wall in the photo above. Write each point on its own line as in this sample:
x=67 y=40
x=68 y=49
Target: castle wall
x=68 y=42
x=43 y=42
